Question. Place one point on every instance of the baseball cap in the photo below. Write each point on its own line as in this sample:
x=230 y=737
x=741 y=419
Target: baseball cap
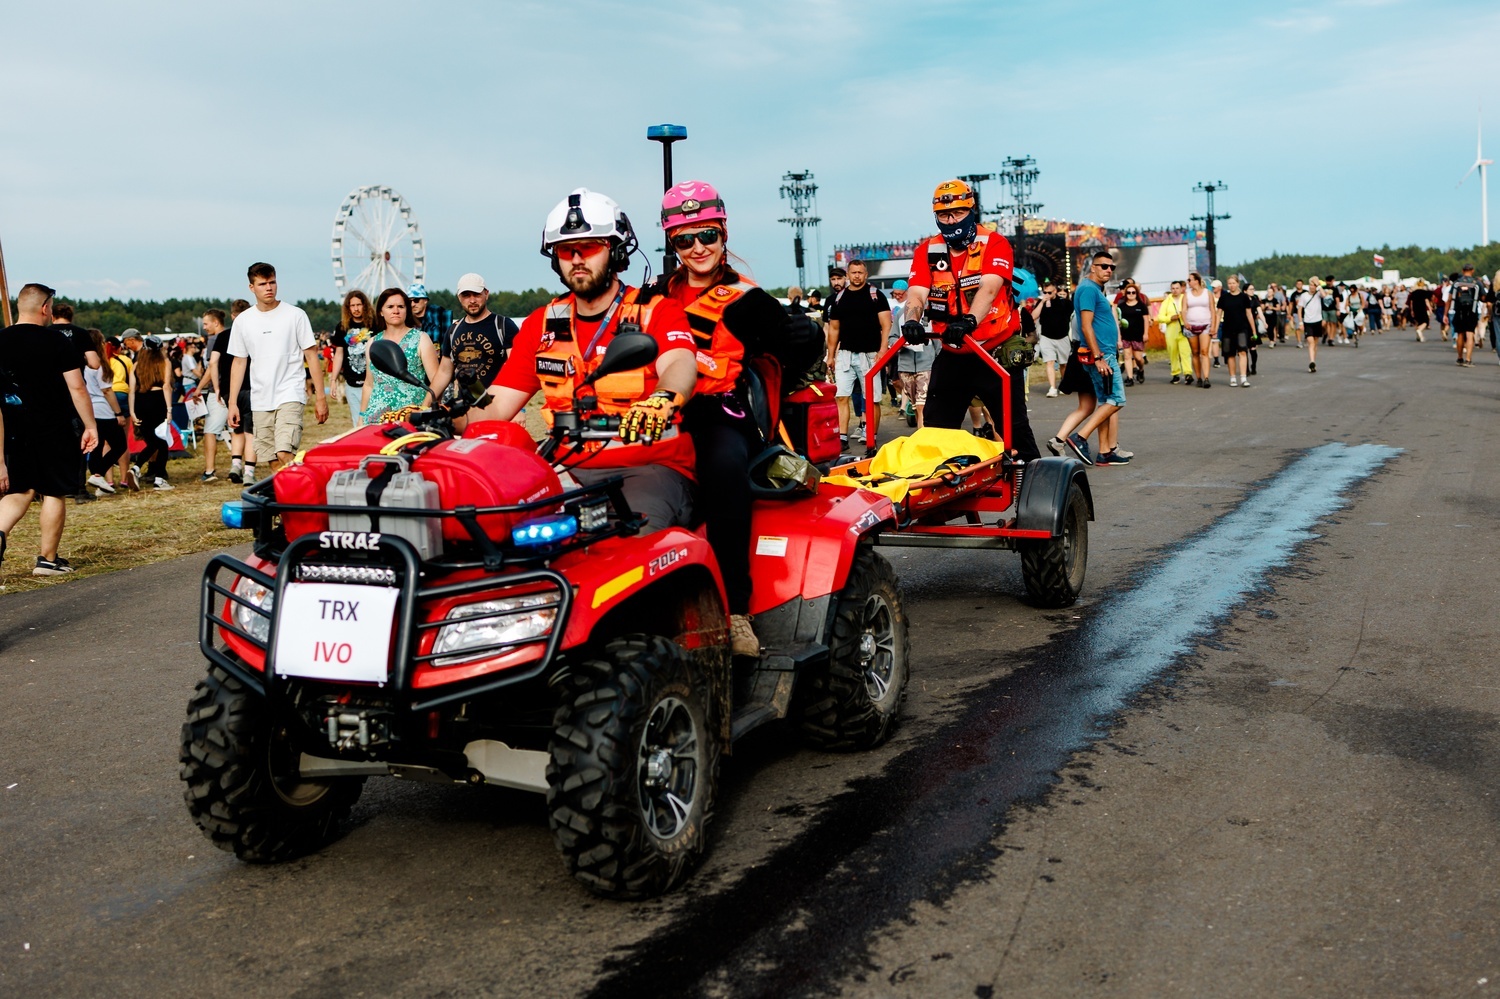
x=471 y=282
x=899 y=286
x=132 y=332
x=417 y=290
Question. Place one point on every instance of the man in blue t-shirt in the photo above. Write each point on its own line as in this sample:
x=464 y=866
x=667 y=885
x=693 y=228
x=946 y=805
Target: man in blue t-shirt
x=1100 y=333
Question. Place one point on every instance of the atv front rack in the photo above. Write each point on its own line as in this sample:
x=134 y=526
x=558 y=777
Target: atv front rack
x=601 y=510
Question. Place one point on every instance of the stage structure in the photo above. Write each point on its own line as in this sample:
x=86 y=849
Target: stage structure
x=1059 y=250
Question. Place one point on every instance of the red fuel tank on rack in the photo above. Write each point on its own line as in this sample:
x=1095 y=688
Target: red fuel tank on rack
x=307 y=480
x=482 y=471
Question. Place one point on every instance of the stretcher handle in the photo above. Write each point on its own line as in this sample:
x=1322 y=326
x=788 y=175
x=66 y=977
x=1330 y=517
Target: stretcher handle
x=872 y=405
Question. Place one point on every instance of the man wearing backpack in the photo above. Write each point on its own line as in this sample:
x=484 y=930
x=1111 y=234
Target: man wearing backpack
x=1464 y=314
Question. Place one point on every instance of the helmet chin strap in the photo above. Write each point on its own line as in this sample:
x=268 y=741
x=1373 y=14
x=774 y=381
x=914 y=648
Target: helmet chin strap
x=961 y=233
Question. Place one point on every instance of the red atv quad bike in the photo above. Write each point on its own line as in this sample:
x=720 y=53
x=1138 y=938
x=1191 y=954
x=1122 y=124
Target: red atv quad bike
x=429 y=606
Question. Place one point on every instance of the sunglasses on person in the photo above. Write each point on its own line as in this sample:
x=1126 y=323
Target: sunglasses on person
x=581 y=248
x=1106 y=267
x=684 y=240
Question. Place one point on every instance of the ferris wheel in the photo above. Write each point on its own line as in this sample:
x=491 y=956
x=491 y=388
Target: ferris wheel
x=375 y=232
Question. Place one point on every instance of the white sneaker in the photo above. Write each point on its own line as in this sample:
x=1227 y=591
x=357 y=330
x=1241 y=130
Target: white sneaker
x=100 y=483
x=162 y=484
x=1245 y=383
x=1052 y=393
x=1233 y=381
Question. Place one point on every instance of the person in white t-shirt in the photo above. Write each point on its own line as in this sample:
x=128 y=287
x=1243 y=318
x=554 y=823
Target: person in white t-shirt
x=278 y=337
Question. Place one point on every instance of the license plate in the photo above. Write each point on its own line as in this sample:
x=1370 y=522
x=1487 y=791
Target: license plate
x=336 y=631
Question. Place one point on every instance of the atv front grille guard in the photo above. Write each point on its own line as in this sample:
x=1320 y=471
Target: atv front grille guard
x=400 y=555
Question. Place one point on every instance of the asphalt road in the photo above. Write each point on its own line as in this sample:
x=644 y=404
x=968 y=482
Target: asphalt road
x=1258 y=759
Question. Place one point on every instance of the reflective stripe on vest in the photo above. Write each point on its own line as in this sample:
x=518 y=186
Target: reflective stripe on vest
x=720 y=353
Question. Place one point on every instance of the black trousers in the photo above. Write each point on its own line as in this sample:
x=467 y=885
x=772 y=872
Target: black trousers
x=958 y=378
x=725 y=445
x=111 y=445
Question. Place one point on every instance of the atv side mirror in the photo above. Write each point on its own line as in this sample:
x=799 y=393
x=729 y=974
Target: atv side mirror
x=388 y=359
x=625 y=352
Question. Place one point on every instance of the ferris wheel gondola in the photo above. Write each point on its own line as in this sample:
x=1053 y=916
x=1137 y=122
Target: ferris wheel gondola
x=376 y=231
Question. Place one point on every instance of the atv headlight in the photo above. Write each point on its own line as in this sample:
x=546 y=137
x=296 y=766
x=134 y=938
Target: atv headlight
x=483 y=628
x=256 y=624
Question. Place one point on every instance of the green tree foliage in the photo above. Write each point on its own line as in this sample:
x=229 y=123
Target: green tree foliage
x=113 y=317
x=1411 y=261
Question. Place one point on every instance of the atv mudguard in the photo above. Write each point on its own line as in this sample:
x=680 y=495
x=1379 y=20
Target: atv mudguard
x=803 y=548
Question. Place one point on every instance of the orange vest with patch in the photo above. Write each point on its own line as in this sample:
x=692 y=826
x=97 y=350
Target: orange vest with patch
x=950 y=293
x=561 y=368
x=720 y=354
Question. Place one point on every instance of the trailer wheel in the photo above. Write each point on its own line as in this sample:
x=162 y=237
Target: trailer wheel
x=851 y=700
x=243 y=787
x=633 y=770
x=1053 y=569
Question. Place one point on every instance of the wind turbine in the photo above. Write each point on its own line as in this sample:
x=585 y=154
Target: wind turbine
x=1484 y=195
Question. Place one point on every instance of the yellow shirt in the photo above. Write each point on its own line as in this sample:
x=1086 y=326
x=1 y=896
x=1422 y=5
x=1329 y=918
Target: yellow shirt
x=120 y=367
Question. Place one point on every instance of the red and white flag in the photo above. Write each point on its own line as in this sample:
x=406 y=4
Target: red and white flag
x=1379 y=260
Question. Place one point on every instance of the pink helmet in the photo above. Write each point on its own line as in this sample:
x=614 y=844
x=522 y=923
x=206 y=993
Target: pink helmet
x=690 y=203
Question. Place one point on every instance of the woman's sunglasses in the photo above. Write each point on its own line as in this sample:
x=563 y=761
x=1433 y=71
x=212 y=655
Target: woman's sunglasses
x=684 y=240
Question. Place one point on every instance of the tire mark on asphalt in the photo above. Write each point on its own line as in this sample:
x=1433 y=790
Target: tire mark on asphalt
x=929 y=821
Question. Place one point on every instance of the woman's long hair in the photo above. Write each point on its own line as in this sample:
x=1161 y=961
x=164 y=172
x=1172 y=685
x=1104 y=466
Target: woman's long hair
x=346 y=322
x=150 y=368
x=378 y=323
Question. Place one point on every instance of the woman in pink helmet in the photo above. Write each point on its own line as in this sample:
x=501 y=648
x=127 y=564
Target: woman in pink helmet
x=731 y=319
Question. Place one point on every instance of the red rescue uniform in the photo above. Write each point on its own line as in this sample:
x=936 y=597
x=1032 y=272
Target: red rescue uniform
x=556 y=350
x=952 y=278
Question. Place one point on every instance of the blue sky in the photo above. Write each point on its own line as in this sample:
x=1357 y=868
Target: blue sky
x=155 y=150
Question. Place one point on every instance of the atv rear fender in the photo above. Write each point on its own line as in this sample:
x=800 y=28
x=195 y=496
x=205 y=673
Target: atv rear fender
x=804 y=548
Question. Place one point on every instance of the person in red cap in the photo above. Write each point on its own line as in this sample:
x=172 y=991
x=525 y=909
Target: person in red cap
x=961 y=282
x=731 y=320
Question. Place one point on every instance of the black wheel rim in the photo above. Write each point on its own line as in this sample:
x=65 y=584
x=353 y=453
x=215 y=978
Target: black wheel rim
x=877 y=648
x=667 y=767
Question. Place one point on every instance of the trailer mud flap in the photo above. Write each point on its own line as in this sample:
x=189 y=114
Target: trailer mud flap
x=1044 y=493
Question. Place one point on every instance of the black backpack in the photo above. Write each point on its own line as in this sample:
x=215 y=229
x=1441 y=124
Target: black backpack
x=1466 y=295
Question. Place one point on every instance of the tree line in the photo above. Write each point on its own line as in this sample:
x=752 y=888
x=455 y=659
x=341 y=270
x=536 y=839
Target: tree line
x=112 y=316
x=1411 y=261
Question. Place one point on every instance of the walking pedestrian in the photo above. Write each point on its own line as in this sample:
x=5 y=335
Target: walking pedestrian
x=1464 y=314
x=1310 y=307
x=109 y=421
x=382 y=393
x=1201 y=320
x=859 y=322
x=278 y=338
x=350 y=341
x=1053 y=314
x=1101 y=338
x=150 y=409
x=41 y=392
x=1236 y=321
x=1135 y=313
x=1169 y=318
x=472 y=351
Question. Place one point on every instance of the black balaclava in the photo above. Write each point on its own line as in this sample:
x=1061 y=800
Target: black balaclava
x=960 y=234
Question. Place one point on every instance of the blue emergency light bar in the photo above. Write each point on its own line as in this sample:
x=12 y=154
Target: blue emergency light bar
x=666 y=132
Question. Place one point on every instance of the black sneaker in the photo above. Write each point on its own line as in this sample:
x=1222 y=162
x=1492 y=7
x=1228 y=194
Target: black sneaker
x=843 y=442
x=56 y=567
x=236 y=476
x=1080 y=447
x=1176 y=379
x=1189 y=381
x=1312 y=367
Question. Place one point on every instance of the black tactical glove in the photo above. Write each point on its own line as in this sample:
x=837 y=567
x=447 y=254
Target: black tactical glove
x=958 y=328
x=914 y=333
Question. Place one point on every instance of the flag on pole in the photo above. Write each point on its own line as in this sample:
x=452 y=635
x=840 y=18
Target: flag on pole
x=1379 y=260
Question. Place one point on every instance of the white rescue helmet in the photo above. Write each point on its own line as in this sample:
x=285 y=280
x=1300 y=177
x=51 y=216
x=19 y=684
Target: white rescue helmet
x=586 y=214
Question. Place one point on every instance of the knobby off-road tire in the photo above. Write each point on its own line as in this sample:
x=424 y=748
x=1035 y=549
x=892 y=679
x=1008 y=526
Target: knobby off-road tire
x=634 y=769
x=850 y=701
x=243 y=789
x=1053 y=569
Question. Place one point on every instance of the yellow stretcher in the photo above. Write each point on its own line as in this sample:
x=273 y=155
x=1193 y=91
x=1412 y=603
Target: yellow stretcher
x=926 y=469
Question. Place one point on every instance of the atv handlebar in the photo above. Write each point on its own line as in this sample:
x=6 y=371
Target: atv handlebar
x=872 y=404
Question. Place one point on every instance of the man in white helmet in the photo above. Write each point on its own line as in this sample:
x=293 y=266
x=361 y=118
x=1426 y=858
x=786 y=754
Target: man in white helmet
x=589 y=241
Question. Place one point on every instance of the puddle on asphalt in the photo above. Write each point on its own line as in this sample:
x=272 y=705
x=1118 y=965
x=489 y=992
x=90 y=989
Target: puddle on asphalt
x=928 y=822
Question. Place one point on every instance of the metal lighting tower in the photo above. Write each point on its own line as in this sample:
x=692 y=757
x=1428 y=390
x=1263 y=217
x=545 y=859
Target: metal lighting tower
x=1208 y=221
x=799 y=189
x=974 y=180
x=1019 y=175
x=666 y=135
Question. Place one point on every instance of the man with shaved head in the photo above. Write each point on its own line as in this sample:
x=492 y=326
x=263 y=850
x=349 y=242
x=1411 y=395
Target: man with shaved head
x=43 y=392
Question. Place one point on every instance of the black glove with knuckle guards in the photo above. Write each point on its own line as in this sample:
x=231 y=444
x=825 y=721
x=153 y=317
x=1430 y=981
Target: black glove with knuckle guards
x=914 y=333
x=958 y=328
